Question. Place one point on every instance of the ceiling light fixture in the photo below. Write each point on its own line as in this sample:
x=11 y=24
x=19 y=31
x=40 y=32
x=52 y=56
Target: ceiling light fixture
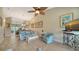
x=37 y=12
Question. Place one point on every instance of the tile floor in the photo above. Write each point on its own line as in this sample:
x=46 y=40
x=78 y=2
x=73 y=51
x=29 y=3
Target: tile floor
x=13 y=43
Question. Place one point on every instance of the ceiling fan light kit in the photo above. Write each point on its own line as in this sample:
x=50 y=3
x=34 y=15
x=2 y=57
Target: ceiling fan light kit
x=38 y=10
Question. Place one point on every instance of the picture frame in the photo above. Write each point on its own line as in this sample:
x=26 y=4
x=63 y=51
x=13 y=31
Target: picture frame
x=38 y=24
x=64 y=19
x=41 y=24
x=32 y=25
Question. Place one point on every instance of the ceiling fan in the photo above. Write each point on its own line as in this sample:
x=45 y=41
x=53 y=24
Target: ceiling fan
x=38 y=10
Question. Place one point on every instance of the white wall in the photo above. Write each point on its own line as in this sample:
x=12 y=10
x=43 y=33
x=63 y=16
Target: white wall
x=1 y=11
x=52 y=20
x=1 y=29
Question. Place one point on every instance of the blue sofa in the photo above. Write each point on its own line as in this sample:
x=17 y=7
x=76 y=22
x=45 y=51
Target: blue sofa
x=22 y=35
x=48 y=38
x=26 y=34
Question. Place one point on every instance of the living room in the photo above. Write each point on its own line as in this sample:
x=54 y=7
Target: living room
x=49 y=23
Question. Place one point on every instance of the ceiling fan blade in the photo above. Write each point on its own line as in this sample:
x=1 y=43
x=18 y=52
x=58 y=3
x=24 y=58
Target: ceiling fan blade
x=31 y=11
x=36 y=8
x=43 y=8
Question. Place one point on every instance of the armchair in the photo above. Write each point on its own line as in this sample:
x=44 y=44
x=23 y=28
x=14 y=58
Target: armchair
x=48 y=38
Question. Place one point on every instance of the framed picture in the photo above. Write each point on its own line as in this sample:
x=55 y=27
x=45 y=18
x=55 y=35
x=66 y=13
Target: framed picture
x=32 y=25
x=66 y=18
x=36 y=25
x=41 y=24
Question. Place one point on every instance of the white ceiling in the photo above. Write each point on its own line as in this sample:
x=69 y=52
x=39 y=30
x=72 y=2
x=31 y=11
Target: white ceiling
x=18 y=13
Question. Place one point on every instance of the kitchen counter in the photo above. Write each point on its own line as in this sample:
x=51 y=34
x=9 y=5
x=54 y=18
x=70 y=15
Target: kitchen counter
x=71 y=38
